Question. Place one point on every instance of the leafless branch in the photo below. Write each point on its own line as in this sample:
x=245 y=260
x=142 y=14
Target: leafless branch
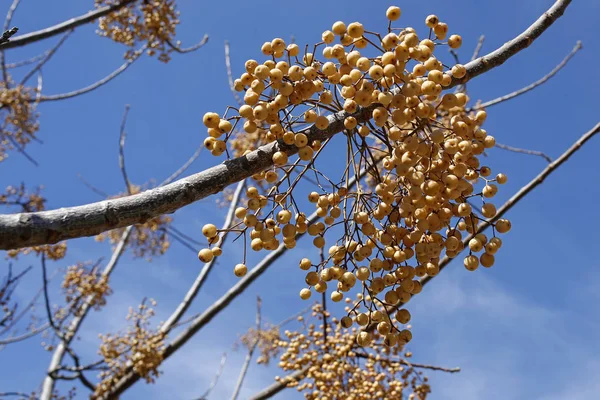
x=203 y=275
x=534 y=84
x=95 y=85
x=46 y=227
x=215 y=379
x=47 y=58
x=65 y=26
x=412 y=365
x=21 y=150
x=240 y=381
x=190 y=49
x=122 y=137
x=184 y=167
x=524 y=151
x=20 y=338
x=199 y=321
x=27 y=61
x=230 y=75
x=478 y=47
x=92 y=188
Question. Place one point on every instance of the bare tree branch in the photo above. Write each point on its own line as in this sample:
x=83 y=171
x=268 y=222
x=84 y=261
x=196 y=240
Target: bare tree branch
x=413 y=365
x=47 y=57
x=199 y=321
x=240 y=381
x=195 y=288
x=5 y=38
x=524 y=151
x=46 y=227
x=65 y=26
x=236 y=96
x=27 y=61
x=122 y=137
x=190 y=49
x=478 y=47
x=216 y=378
x=95 y=85
x=20 y=338
x=534 y=84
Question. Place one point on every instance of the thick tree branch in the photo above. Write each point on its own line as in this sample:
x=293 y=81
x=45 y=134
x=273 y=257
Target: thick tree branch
x=64 y=26
x=278 y=386
x=46 y=227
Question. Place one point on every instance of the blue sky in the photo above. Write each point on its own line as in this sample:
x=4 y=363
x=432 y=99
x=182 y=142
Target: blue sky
x=523 y=329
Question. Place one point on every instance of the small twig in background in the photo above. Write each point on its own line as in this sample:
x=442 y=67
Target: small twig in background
x=478 y=47
x=47 y=58
x=524 y=151
x=535 y=84
x=215 y=379
x=240 y=381
x=122 y=137
x=177 y=48
x=230 y=75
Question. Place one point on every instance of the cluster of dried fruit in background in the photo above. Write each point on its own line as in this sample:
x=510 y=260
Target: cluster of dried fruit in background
x=152 y=22
x=139 y=348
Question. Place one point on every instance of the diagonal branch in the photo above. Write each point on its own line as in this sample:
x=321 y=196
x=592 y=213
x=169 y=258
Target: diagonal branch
x=95 y=85
x=46 y=227
x=524 y=151
x=199 y=321
x=65 y=26
x=215 y=379
x=534 y=84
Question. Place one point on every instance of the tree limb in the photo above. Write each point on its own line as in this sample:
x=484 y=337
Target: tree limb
x=72 y=23
x=47 y=227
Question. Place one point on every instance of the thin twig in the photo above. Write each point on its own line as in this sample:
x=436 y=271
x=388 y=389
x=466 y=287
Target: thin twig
x=244 y=370
x=411 y=364
x=478 y=48
x=203 y=275
x=190 y=49
x=184 y=167
x=47 y=58
x=122 y=137
x=31 y=333
x=215 y=380
x=524 y=151
x=535 y=84
x=230 y=75
x=27 y=61
x=92 y=188
x=65 y=26
x=95 y=85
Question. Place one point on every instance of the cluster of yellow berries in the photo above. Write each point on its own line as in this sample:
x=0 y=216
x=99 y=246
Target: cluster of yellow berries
x=337 y=369
x=151 y=21
x=80 y=282
x=421 y=148
x=18 y=115
x=140 y=348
